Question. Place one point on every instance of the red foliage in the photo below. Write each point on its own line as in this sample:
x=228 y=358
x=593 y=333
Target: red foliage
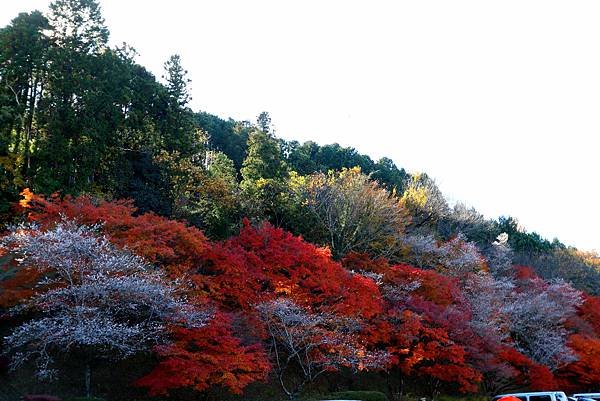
x=525 y=273
x=433 y=287
x=421 y=318
x=363 y=261
x=420 y=348
x=589 y=311
x=17 y=284
x=439 y=289
x=264 y=262
x=583 y=374
x=423 y=328
x=200 y=358
x=171 y=244
x=526 y=372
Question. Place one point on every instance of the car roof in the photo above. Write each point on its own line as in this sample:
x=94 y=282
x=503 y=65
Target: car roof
x=532 y=393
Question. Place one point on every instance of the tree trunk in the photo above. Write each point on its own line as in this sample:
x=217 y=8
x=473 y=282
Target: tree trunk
x=401 y=387
x=29 y=127
x=396 y=391
x=88 y=380
x=435 y=389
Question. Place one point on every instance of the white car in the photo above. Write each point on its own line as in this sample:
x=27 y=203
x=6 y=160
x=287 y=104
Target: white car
x=591 y=396
x=537 y=396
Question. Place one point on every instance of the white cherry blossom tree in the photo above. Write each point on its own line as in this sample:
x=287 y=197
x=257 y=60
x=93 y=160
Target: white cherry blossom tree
x=93 y=301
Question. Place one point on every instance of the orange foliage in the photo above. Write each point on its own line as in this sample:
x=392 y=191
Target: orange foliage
x=422 y=330
x=171 y=244
x=17 y=284
x=209 y=356
x=583 y=374
x=525 y=273
x=261 y=261
x=420 y=348
x=425 y=328
x=526 y=372
x=590 y=312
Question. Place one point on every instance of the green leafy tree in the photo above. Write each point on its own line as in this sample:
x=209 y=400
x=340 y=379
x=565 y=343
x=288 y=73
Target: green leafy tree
x=264 y=122
x=264 y=159
x=264 y=176
x=301 y=157
x=203 y=190
x=425 y=203
x=23 y=70
x=177 y=124
x=222 y=167
x=388 y=174
x=177 y=80
x=309 y=157
x=227 y=136
x=78 y=25
x=80 y=109
x=357 y=214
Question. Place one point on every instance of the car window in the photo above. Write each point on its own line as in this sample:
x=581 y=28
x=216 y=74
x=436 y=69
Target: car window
x=540 y=398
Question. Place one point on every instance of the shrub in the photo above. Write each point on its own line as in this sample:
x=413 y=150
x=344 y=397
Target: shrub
x=40 y=397
x=85 y=399
x=357 y=395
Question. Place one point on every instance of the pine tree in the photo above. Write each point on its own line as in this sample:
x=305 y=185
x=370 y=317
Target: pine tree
x=177 y=80
x=264 y=158
x=78 y=25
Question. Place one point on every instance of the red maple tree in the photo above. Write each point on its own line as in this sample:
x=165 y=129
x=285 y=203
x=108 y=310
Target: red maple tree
x=205 y=357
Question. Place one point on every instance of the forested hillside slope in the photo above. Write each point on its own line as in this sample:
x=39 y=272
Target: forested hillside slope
x=150 y=250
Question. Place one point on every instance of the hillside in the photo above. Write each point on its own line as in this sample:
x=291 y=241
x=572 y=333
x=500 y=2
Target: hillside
x=151 y=250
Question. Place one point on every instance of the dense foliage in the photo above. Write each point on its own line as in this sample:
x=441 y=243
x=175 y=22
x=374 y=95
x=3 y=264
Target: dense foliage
x=181 y=253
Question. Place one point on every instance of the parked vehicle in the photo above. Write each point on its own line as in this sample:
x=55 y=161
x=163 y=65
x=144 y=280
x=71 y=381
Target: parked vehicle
x=537 y=396
x=592 y=396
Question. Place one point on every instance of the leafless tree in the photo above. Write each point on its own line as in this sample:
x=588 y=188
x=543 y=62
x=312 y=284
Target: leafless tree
x=488 y=298
x=312 y=343
x=455 y=257
x=530 y=315
x=537 y=315
x=500 y=258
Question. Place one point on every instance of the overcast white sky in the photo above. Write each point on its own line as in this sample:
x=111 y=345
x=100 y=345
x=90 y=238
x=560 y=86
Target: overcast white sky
x=499 y=101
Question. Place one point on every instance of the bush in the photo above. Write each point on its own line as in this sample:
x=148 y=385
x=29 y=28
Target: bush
x=40 y=397
x=357 y=395
x=85 y=399
x=462 y=398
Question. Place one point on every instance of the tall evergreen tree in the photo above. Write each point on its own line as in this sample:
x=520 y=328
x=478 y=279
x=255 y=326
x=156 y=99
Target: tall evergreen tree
x=264 y=174
x=177 y=80
x=177 y=125
x=79 y=25
x=264 y=158
x=264 y=122
x=23 y=72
